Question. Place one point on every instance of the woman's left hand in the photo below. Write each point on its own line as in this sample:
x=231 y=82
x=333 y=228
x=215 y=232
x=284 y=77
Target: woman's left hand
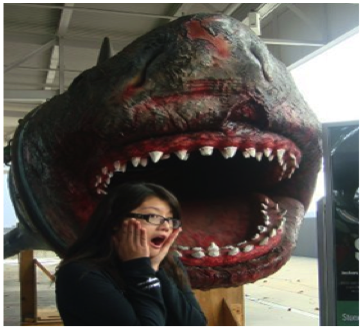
x=156 y=260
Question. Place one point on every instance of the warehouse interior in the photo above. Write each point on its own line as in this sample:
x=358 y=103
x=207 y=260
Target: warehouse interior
x=46 y=46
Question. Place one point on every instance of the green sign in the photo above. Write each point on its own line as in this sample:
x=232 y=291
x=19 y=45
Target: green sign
x=348 y=313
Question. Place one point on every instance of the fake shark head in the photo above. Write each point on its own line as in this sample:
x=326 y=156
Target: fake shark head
x=199 y=106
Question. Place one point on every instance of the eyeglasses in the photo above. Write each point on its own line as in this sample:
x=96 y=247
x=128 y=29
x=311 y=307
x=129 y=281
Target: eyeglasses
x=157 y=219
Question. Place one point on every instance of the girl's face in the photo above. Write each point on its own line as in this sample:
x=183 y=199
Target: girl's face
x=156 y=234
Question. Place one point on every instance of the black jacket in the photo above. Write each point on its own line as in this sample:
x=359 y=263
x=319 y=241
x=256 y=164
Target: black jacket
x=89 y=296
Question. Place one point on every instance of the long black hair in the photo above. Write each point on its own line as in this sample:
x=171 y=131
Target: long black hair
x=95 y=245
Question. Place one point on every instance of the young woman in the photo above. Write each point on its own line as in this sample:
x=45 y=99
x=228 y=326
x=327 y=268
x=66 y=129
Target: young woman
x=120 y=270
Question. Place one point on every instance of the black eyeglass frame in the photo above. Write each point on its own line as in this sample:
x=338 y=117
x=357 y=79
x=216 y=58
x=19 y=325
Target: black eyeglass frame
x=175 y=222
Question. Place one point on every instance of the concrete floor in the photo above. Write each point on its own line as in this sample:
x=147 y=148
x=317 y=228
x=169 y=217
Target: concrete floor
x=290 y=297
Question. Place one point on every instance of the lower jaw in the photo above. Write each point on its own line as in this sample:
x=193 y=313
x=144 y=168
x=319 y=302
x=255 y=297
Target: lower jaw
x=207 y=278
x=224 y=259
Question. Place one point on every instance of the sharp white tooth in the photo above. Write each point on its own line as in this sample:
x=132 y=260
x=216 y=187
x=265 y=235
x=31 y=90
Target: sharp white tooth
x=182 y=154
x=256 y=236
x=104 y=170
x=264 y=206
x=282 y=223
x=198 y=254
x=262 y=228
x=96 y=184
x=213 y=246
x=233 y=252
x=206 y=150
x=165 y=156
x=259 y=156
x=248 y=248
x=277 y=206
x=273 y=233
x=241 y=243
x=246 y=154
x=155 y=156
x=123 y=167
x=177 y=253
x=291 y=172
x=100 y=191
x=197 y=248
x=267 y=222
x=117 y=165
x=108 y=181
x=224 y=153
x=213 y=253
x=280 y=153
x=99 y=179
x=110 y=174
x=267 y=152
x=264 y=242
x=135 y=161
x=292 y=156
x=271 y=157
x=227 y=247
x=284 y=167
x=251 y=151
x=230 y=151
x=183 y=247
x=266 y=217
x=266 y=200
x=264 y=212
x=143 y=162
x=284 y=213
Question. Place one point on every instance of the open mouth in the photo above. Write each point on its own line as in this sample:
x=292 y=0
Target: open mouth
x=228 y=186
x=157 y=241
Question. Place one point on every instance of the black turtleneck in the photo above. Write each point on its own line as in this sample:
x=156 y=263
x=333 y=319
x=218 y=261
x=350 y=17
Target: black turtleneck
x=89 y=296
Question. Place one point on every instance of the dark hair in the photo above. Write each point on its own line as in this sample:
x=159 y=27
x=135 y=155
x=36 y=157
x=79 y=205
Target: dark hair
x=95 y=242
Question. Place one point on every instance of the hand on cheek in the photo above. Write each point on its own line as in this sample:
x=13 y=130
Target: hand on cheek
x=131 y=241
x=156 y=260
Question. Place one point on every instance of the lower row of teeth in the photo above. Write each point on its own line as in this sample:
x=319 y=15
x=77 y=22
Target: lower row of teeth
x=266 y=232
x=283 y=157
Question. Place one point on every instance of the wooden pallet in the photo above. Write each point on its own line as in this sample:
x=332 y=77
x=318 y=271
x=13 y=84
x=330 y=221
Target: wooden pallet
x=29 y=313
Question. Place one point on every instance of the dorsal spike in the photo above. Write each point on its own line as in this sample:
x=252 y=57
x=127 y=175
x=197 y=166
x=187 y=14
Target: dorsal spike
x=106 y=51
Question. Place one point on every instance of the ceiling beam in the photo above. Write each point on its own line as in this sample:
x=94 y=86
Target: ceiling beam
x=37 y=51
x=182 y=9
x=30 y=38
x=264 y=10
x=41 y=69
x=94 y=10
x=231 y=8
x=29 y=95
x=285 y=42
x=63 y=26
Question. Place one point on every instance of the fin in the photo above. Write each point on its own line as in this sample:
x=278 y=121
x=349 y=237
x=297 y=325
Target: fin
x=19 y=239
x=106 y=51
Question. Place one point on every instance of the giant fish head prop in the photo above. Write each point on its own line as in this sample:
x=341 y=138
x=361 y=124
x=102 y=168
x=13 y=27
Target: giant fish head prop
x=199 y=106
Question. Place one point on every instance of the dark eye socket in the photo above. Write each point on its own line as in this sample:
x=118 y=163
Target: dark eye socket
x=154 y=216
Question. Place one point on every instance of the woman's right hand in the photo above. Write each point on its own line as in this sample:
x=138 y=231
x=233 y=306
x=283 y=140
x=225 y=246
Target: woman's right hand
x=131 y=241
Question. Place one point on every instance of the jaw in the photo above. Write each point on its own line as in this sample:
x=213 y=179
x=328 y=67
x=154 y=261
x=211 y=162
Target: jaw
x=235 y=215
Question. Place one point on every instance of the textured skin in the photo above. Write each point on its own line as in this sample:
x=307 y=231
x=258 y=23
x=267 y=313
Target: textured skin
x=200 y=80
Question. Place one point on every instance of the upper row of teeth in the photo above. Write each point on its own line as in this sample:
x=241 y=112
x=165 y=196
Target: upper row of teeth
x=244 y=246
x=227 y=152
